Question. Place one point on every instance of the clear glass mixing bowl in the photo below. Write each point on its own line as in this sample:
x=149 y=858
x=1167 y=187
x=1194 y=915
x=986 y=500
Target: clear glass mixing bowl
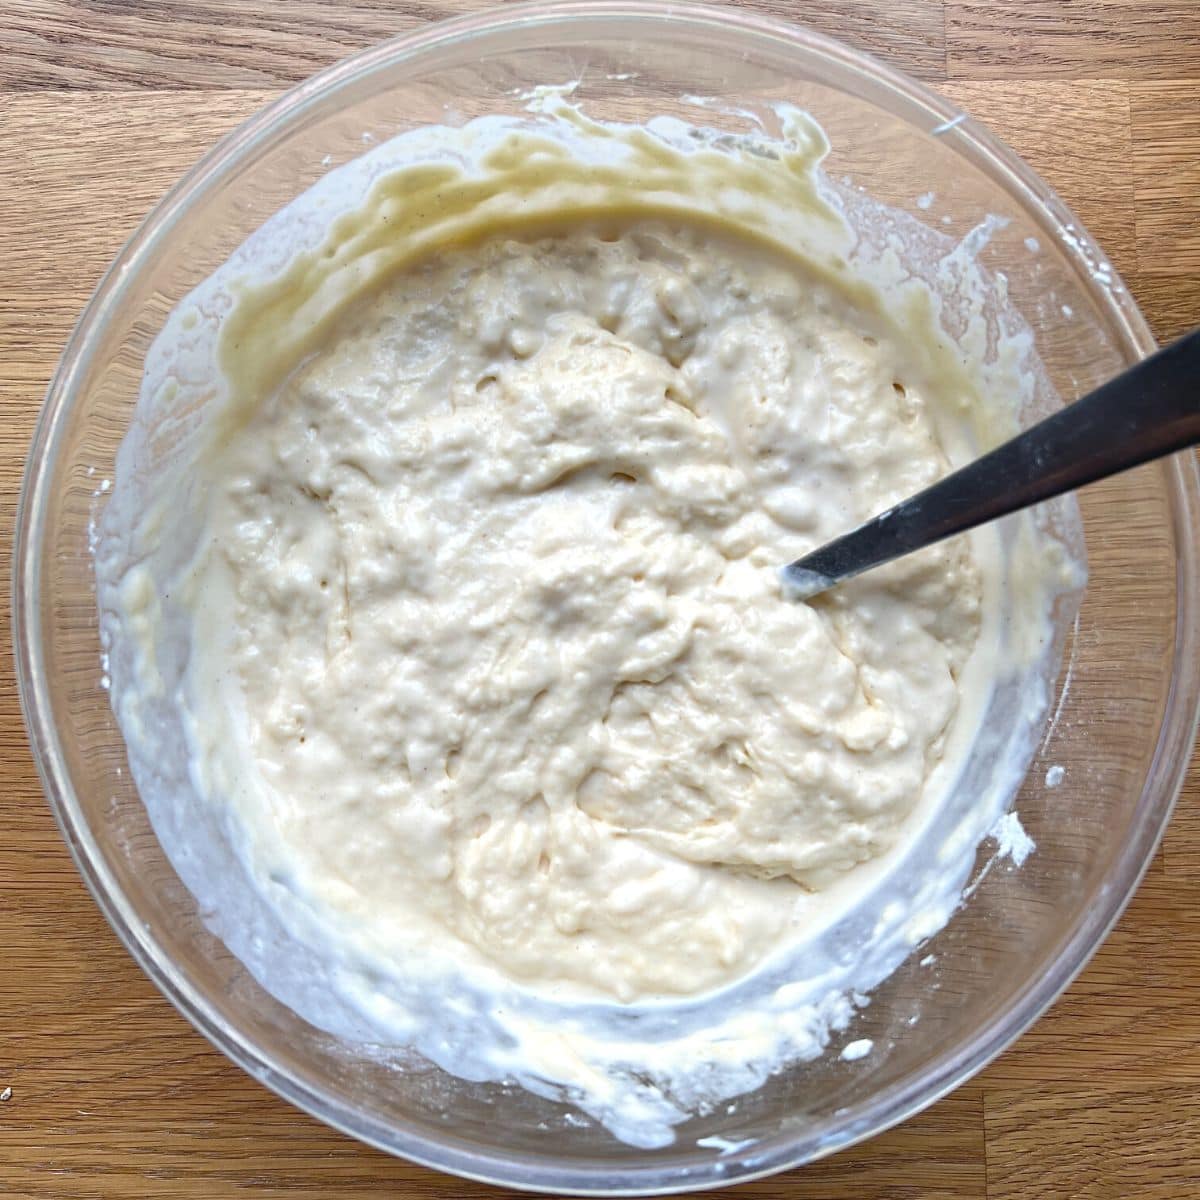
x=1122 y=721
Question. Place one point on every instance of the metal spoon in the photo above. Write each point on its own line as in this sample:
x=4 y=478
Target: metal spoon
x=1151 y=410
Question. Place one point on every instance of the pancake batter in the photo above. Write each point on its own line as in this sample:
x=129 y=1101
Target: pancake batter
x=501 y=566
x=439 y=587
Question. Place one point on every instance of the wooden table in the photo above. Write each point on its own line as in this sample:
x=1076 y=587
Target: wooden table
x=102 y=106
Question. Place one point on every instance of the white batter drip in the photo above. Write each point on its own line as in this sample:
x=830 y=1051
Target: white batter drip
x=440 y=590
x=502 y=566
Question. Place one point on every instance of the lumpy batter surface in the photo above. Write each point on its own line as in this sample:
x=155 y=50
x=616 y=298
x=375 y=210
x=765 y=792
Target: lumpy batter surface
x=499 y=655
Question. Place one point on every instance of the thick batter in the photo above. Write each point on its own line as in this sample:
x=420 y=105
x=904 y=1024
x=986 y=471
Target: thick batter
x=440 y=584
x=501 y=563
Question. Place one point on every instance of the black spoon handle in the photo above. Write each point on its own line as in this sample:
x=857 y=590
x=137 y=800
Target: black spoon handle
x=1151 y=410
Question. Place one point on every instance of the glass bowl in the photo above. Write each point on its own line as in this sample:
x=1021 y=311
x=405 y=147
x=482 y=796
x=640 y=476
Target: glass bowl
x=1110 y=762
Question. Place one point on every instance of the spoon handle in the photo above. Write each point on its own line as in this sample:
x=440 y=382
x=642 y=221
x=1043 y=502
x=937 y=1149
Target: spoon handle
x=1149 y=411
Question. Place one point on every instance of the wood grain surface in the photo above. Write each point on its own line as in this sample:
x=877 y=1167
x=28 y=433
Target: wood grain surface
x=103 y=104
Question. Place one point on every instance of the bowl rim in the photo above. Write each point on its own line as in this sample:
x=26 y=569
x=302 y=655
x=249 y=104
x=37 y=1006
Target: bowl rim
x=884 y=1109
